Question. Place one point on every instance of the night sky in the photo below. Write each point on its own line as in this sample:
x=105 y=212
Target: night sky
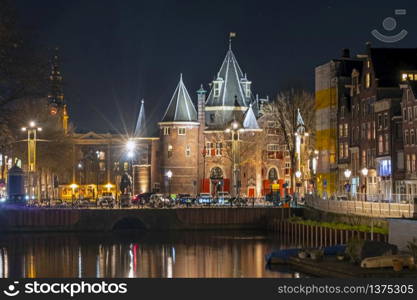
x=115 y=53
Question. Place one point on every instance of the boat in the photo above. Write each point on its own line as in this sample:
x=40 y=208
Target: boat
x=282 y=256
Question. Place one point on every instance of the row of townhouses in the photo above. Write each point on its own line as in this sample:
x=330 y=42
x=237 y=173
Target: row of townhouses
x=366 y=112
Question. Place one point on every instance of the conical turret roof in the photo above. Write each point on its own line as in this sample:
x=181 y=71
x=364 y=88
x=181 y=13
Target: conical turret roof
x=231 y=81
x=140 y=129
x=250 y=120
x=181 y=107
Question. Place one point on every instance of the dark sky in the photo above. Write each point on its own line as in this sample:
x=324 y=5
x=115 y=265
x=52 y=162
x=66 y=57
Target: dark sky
x=116 y=52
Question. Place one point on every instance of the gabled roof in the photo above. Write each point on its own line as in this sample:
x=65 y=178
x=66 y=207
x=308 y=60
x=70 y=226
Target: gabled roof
x=232 y=90
x=181 y=107
x=249 y=121
x=140 y=129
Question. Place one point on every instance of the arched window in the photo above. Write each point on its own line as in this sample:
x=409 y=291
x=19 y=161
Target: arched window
x=216 y=173
x=272 y=174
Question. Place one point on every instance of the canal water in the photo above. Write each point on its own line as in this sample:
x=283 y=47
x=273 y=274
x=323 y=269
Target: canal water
x=197 y=254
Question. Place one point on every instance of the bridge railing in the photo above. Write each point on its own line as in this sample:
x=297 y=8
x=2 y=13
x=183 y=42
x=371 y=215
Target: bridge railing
x=379 y=209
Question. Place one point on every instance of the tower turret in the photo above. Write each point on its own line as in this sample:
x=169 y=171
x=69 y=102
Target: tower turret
x=56 y=102
x=179 y=150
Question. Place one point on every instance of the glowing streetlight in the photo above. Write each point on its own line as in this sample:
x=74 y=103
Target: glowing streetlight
x=364 y=171
x=130 y=146
x=235 y=125
x=31 y=131
x=169 y=175
x=347 y=173
x=298 y=174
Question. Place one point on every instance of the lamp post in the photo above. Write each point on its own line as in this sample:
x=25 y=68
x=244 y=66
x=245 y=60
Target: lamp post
x=234 y=130
x=298 y=175
x=347 y=174
x=364 y=172
x=169 y=175
x=31 y=130
x=73 y=187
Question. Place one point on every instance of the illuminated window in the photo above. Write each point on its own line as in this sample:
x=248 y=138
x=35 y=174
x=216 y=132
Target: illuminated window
x=170 y=149
x=181 y=131
x=387 y=143
x=381 y=144
x=217 y=85
x=167 y=130
x=404 y=77
x=272 y=147
x=368 y=80
x=209 y=146
x=219 y=147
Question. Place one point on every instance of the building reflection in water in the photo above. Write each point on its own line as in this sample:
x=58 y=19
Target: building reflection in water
x=169 y=255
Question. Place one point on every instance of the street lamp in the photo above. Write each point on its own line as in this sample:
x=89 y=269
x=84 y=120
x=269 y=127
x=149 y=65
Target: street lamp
x=73 y=186
x=347 y=173
x=169 y=175
x=31 y=130
x=364 y=172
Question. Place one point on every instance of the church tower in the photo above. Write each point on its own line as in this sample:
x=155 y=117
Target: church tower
x=56 y=102
x=179 y=148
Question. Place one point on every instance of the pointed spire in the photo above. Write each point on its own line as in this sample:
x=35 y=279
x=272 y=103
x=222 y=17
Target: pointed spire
x=56 y=94
x=250 y=120
x=140 y=129
x=181 y=107
x=300 y=121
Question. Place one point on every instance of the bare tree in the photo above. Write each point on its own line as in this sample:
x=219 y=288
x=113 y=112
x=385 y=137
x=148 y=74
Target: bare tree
x=284 y=110
x=23 y=72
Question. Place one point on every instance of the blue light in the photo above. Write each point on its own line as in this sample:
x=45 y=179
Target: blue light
x=27 y=197
x=384 y=168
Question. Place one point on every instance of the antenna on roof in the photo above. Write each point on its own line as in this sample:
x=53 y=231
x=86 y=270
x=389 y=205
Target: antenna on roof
x=231 y=35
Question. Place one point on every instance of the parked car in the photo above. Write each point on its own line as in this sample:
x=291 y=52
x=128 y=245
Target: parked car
x=185 y=199
x=223 y=198
x=158 y=200
x=106 y=199
x=239 y=201
x=85 y=203
x=204 y=198
x=141 y=198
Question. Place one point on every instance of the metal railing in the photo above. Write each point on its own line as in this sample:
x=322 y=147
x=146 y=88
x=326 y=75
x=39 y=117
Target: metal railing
x=366 y=205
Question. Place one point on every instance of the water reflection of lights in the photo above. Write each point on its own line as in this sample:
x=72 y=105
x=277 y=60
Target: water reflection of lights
x=4 y=263
x=169 y=268
x=173 y=254
x=80 y=271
